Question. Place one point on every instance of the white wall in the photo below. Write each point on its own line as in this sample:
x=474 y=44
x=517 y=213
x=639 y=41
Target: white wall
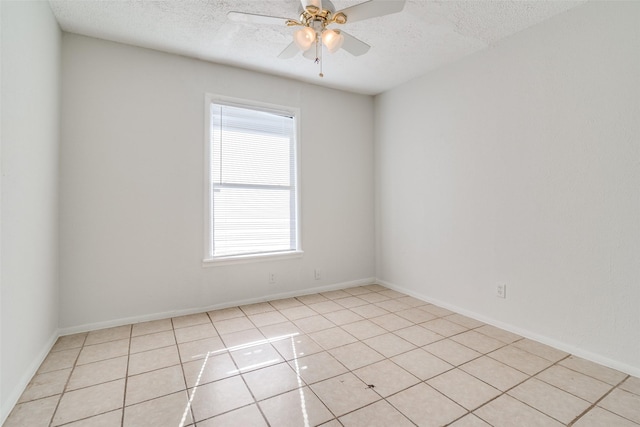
x=521 y=164
x=30 y=142
x=132 y=196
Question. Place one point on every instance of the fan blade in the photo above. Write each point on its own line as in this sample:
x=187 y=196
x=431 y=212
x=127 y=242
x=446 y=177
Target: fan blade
x=251 y=18
x=289 y=51
x=372 y=9
x=310 y=53
x=354 y=46
x=316 y=3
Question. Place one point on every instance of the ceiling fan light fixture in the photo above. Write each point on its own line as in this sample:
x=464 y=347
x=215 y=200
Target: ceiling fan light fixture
x=304 y=38
x=332 y=39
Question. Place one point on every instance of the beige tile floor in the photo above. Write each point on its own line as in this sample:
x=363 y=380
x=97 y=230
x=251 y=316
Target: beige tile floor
x=365 y=356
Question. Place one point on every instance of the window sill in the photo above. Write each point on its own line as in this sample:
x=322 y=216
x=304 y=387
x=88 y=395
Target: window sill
x=244 y=259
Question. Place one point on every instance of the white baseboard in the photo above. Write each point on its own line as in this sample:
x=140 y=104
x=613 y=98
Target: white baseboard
x=175 y=313
x=14 y=395
x=577 y=351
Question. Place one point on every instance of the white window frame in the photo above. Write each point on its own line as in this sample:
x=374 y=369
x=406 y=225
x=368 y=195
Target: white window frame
x=210 y=260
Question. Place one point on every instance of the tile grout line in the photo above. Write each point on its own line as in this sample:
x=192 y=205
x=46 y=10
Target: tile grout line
x=126 y=376
x=454 y=367
x=557 y=363
x=382 y=398
x=244 y=381
x=417 y=346
x=308 y=386
x=613 y=387
x=255 y=401
x=458 y=367
x=66 y=384
x=189 y=407
x=513 y=387
x=91 y=385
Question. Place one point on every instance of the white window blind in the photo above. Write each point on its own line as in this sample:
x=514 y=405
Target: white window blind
x=253 y=181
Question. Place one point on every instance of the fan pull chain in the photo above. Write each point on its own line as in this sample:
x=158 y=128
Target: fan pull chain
x=319 y=54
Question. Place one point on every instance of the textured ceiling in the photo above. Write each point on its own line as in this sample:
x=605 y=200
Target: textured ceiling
x=424 y=36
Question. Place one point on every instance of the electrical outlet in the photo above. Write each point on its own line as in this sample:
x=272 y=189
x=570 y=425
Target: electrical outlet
x=272 y=278
x=501 y=290
x=317 y=274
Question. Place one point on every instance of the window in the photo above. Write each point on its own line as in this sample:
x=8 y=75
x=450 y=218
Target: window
x=253 y=200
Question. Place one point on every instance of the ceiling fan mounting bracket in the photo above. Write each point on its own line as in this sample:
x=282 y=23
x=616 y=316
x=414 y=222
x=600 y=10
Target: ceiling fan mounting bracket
x=312 y=15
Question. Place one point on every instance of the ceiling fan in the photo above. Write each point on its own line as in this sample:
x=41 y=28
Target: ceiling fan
x=315 y=18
